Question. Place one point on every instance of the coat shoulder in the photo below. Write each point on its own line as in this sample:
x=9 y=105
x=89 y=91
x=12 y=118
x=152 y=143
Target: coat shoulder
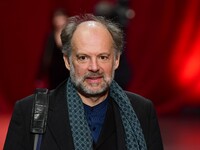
x=142 y=106
x=25 y=103
x=138 y=100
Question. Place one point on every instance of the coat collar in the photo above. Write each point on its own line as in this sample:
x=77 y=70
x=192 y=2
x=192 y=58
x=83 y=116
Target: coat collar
x=58 y=122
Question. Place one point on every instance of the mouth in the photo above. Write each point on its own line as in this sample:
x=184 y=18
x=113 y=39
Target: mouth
x=94 y=79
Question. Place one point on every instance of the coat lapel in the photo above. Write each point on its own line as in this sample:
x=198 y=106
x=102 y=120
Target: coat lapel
x=108 y=127
x=58 y=119
x=113 y=125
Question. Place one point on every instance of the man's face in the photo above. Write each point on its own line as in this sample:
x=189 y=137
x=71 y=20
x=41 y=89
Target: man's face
x=92 y=62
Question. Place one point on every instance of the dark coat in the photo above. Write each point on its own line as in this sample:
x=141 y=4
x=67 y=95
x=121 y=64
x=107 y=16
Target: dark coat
x=58 y=135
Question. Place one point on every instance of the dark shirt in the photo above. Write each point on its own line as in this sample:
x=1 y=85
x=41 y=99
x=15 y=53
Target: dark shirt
x=95 y=116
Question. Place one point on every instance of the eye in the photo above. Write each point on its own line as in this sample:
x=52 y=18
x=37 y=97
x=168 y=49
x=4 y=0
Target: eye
x=103 y=57
x=82 y=58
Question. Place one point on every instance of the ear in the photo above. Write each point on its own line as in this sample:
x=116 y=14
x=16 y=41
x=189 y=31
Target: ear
x=66 y=60
x=117 y=60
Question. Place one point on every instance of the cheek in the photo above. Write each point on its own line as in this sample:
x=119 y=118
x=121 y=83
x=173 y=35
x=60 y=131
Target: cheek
x=108 y=69
x=80 y=70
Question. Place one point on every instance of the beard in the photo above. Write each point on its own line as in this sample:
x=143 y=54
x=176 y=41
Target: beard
x=89 y=89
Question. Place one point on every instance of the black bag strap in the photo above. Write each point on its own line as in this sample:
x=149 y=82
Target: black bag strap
x=39 y=111
x=39 y=115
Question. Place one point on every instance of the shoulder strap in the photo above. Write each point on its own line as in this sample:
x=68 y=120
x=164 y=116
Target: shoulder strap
x=39 y=111
x=39 y=116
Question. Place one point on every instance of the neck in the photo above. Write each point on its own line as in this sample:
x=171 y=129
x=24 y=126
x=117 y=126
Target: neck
x=93 y=101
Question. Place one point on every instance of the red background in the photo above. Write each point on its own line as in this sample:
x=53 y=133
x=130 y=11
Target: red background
x=163 y=49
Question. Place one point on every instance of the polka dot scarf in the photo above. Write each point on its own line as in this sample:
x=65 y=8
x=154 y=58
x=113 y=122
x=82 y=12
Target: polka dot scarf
x=81 y=133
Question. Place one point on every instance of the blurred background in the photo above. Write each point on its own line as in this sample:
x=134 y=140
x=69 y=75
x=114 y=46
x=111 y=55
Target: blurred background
x=161 y=57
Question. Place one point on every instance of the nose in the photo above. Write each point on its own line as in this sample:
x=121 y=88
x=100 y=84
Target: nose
x=93 y=66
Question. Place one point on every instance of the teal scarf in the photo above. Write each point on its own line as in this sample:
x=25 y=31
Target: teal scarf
x=80 y=130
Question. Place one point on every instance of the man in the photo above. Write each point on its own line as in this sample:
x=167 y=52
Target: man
x=89 y=110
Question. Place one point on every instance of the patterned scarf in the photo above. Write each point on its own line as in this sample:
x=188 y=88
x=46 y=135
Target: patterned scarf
x=81 y=133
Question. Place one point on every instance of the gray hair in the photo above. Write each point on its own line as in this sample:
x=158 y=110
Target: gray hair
x=73 y=22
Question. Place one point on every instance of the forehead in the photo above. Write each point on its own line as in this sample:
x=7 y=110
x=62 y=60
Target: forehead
x=92 y=36
x=91 y=27
x=91 y=30
x=91 y=24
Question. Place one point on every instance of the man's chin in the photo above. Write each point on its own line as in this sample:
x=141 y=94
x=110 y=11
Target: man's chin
x=93 y=93
x=92 y=90
x=89 y=95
